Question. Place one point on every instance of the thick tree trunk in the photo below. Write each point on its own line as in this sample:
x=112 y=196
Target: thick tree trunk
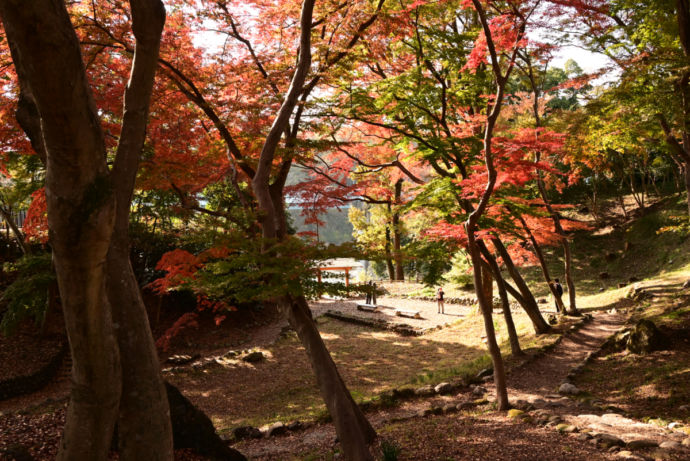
x=528 y=302
x=353 y=429
x=60 y=118
x=145 y=430
x=80 y=212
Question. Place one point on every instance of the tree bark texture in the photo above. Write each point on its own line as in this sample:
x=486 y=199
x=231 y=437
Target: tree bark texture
x=354 y=431
x=145 y=430
x=397 y=234
x=85 y=202
x=80 y=213
x=528 y=302
x=492 y=265
x=542 y=263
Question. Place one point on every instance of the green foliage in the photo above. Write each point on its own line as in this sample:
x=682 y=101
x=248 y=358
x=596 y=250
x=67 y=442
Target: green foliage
x=390 y=450
x=27 y=296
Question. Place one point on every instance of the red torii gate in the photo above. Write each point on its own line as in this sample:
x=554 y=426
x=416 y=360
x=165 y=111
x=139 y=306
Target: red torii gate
x=337 y=268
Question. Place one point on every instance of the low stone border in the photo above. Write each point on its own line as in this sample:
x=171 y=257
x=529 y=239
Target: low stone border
x=20 y=385
x=400 y=328
x=462 y=300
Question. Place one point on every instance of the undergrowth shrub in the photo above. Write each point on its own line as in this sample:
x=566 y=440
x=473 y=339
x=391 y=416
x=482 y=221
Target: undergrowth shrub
x=27 y=296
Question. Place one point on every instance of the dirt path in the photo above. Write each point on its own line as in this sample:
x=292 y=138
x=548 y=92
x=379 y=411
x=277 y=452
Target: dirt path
x=544 y=375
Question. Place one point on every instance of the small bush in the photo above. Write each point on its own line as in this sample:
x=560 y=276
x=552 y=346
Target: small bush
x=390 y=451
x=27 y=296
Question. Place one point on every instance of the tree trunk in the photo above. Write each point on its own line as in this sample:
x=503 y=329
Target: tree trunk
x=572 y=298
x=389 y=257
x=528 y=302
x=80 y=212
x=486 y=307
x=354 y=430
x=145 y=430
x=397 y=237
x=144 y=427
x=687 y=182
x=544 y=268
x=7 y=217
x=81 y=215
x=515 y=348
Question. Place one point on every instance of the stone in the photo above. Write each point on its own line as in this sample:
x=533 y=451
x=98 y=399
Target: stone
x=487 y=379
x=568 y=389
x=684 y=408
x=610 y=440
x=478 y=391
x=247 y=432
x=425 y=391
x=403 y=393
x=569 y=429
x=670 y=445
x=295 y=426
x=515 y=413
x=639 y=444
x=182 y=359
x=423 y=413
x=277 y=428
x=254 y=357
x=465 y=406
x=583 y=436
x=449 y=408
x=626 y=455
x=674 y=425
x=555 y=419
x=485 y=372
x=645 y=337
x=443 y=388
x=437 y=410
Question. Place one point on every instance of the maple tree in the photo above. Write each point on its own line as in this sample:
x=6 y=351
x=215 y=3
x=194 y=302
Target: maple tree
x=97 y=287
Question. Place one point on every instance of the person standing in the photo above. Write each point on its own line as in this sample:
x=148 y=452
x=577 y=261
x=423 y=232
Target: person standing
x=559 y=289
x=439 y=300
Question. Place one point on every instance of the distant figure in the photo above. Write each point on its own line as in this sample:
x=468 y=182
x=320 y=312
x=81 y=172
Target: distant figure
x=373 y=293
x=559 y=289
x=369 y=290
x=439 y=300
